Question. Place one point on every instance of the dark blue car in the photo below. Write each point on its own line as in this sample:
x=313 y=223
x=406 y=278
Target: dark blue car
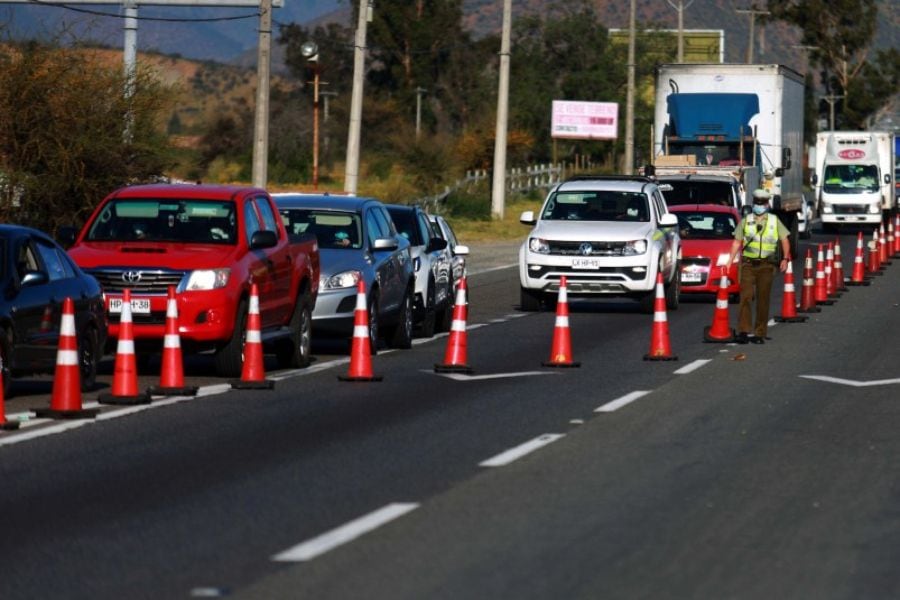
x=36 y=276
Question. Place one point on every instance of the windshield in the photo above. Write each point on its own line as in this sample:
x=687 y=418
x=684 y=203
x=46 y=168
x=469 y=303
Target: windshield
x=165 y=220
x=706 y=225
x=333 y=229
x=596 y=206
x=848 y=179
x=698 y=192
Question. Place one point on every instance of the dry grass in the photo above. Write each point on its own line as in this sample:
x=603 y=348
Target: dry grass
x=508 y=228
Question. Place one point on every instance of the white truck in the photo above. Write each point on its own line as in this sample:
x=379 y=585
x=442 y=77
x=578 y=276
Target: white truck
x=853 y=177
x=733 y=121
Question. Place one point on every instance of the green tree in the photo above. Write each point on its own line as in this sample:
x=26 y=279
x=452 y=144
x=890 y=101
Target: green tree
x=63 y=141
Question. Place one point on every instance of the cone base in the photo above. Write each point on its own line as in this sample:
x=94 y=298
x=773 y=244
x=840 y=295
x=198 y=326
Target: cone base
x=52 y=413
x=562 y=365
x=796 y=319
x=360 y=377
x=660 y=357
x=453 y=369
x=810 y=309
x=856 y=283
x=707 y=337
x=265 y=384
x=9 y=425
x=124 y=400
x=157 y=390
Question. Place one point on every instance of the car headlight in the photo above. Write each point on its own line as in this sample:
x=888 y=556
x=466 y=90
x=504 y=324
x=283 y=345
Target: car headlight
x=341 y=280
x=874 y=208
x=827 y=208
x=539 y=245
x=417 y=264
x=210 y=279
x=634 y=247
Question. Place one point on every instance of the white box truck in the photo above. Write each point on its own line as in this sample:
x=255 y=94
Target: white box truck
x=853 y=177
x=738 y=119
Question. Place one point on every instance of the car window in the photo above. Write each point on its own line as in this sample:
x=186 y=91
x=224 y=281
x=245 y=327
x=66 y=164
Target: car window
x=384 y=220
x=165 y=220
x=332 y=228
x=26 y=259
x=699 y=192
x=704 y=225
x=52 y=262
x=406 y=224
x=425 y=230
x=373 y=227
x=603 y=205
x=251 y=221
x=265 y=210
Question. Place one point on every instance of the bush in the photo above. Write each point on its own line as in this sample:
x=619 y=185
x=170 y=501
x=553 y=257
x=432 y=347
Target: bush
x=470 y=203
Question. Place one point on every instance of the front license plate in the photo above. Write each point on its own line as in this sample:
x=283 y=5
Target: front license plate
x=585 y=263
x=139 y=306
x=691 y=277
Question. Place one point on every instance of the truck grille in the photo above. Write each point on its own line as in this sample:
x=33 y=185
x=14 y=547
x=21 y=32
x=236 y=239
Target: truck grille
x=139 y=281
x=850 y=209
x=586 y=248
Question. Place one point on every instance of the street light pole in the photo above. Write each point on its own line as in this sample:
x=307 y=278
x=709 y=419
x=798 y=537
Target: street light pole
x=351 y=169
x=261 y=123
x=311 y=51
x=629 y=99
x=498 y=190
x=831 y=99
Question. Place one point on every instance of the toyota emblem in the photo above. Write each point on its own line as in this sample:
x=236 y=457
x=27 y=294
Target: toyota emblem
x=131 y=276
x=585 y=249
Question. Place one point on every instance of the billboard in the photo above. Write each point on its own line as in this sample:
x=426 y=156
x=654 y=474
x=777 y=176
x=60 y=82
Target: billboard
x=585 y=120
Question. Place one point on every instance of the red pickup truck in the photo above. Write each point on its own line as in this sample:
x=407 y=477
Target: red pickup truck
x=210 y=242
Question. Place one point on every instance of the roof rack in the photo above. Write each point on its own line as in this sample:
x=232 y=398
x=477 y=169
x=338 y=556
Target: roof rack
x=609 y=178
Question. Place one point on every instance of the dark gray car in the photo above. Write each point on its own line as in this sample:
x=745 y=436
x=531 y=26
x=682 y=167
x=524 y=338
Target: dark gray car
x=357 y=241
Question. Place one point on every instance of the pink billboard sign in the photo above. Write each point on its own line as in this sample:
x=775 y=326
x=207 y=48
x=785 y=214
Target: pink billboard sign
x=585 y=120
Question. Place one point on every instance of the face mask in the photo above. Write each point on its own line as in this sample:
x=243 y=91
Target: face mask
x=760 y=209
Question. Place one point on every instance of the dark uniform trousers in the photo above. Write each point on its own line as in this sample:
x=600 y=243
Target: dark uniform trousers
x=756 y=283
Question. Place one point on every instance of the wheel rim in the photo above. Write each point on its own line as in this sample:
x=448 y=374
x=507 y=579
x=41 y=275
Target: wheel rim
x=373 y=321
x=408 y=325
x=305 y=334
x=87 y=356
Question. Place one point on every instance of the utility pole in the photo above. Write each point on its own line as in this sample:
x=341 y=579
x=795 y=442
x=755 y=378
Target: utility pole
x=831 y=99
x=498 y=191
x=753 y=12
x=351 y=169
x=261 y=123
x=629 y=98
x=419 y=92
x=680 y=8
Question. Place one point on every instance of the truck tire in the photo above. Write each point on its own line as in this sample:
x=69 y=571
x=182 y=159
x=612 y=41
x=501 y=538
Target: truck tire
x=294 y=351
x=229 y=357
x=401 y=336
x=88 y=357
x=529 y=301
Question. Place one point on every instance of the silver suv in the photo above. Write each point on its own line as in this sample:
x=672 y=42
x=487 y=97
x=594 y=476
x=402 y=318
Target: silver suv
x=609 y=236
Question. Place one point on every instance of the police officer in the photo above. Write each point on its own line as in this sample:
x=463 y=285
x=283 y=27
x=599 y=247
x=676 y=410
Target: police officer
x=756 y=239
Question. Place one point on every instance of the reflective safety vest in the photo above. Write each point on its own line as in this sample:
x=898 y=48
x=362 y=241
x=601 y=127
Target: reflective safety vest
x=760 y=244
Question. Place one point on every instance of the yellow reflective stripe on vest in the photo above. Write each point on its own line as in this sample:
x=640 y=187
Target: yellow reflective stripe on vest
x=760 y=246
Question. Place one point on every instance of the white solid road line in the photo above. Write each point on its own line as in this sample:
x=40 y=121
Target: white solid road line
x=512 y=454
x=693 y=366
x=346 y=533
x=852 y=382
x=620 y=402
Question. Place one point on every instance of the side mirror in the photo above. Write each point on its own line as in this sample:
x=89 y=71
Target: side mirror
x=887 y=177
x=461 y=250
x=386 y=244
x=814 y=179
x=34 y=278
x=779 y=172
x=66 y=235
x=435 y=244
x=668 y=220
x=263 y=239
x=785 y=158
x=527 y=218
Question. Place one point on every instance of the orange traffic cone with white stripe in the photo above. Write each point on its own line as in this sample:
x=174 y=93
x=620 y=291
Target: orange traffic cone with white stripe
x=896 y=234
x=830 y=289
x=889 y=248
x=253 y=372
x=883 y=257
x=561 y=349
x=858 y=276
x=807 y=295
x=789 y=299
x=821 y=290
x=5 y=424
x=874 y=265
x=455 y=358
x=361 y=346
x=720 y=331
x=660 y=349
x=65 y=403
x=125 y=382
x=171 y=378
x=839 y=283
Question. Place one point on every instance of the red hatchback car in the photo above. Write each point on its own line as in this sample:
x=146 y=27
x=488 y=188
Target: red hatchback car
x=707 y=232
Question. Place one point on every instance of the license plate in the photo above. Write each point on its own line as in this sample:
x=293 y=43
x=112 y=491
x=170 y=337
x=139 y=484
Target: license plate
x=687 y=277
x=585 y=263
x=139 y=306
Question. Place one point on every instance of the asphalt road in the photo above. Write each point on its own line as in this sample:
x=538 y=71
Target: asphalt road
x=733 y=472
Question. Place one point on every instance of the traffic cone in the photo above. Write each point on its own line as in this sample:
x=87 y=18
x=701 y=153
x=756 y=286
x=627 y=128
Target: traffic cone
x=883 y=258
x=253 y=373
x=171 y=378
x=361 y=347
x=720 y=331
x=838 y=272
x=821 y=291
x=659 y=340
x=65 y=403
x=4 y=423
x=891 y=240
x=808 y=296
x=125 y=383
x=789 y=300
x=874 y=265
x=455 y=359
x=896 y=234
x=830 y=290
x=858 y=277
x=561 y=349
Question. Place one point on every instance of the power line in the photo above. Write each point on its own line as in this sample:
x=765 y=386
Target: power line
x=98 y=13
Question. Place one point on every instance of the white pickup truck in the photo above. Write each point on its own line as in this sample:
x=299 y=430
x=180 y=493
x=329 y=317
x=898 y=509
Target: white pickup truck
x=609 y=236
